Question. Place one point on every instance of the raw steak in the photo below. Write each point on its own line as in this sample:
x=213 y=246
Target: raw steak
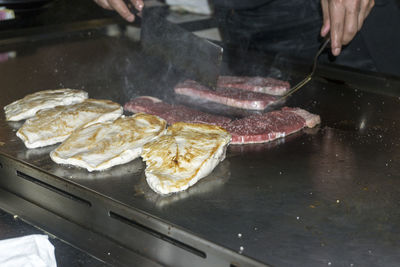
x=270 y=126
x=264 y=85
x=172 y=113
x=258 y=128
x=311 y=119
x=227 y=96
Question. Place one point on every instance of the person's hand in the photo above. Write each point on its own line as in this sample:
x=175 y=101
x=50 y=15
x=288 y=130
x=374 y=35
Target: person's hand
x=120 y=7
x=343 y=18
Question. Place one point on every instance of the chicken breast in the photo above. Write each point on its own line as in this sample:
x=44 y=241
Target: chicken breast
x=187 y=153
x=28 y=106
x=103 y=145
x=51 y=126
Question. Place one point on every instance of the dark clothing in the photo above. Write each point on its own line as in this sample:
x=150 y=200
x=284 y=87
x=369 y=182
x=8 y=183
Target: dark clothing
x=381 y=33
x=292 y=28
x=240 y=4
x=288 y=27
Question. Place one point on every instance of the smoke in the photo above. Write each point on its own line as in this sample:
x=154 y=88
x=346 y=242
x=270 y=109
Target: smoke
x=145 y=74
x=256 y=63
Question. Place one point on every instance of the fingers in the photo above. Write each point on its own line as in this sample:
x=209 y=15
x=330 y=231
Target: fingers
x=138 y=4
x=351 y=27
x=344 y=18
x=337 y=13
x=365 y=9
x=103 y=3
x=326 y=18
x=122 y=9
x=371 y=4
x=363 y=13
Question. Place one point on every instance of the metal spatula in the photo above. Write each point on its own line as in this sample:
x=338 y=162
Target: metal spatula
x=199 y=58
x=309 y=76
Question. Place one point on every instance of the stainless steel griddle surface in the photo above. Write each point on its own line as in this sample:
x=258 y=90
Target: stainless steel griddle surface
x=328 y=196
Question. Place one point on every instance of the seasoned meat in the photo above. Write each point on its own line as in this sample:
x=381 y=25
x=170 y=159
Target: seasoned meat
x=270 y=126
x=258 y=128
x=51 y=126
x=264 y=85
x=184 y=155
x=226 y=96
x=172 y=113
x=28 y=106
x=103 y=145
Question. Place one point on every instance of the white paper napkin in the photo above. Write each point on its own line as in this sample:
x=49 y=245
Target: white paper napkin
x=27 y=251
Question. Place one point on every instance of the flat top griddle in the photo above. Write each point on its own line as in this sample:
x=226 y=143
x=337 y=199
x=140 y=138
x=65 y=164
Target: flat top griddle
x=328 y=196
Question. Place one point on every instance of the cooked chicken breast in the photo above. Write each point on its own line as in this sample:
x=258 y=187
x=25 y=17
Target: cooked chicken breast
x=187 y=153
x=50 y=126
x=103 y=145
x=28 y=106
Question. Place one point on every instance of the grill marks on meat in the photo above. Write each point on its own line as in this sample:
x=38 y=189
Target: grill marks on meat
x=54 y=125
x=184 y=155
x=27 y=107
x=103 y=145
x=270 y=126
x=258 y=128
x=226 y=96
x=264 y=85
x=173 y=113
